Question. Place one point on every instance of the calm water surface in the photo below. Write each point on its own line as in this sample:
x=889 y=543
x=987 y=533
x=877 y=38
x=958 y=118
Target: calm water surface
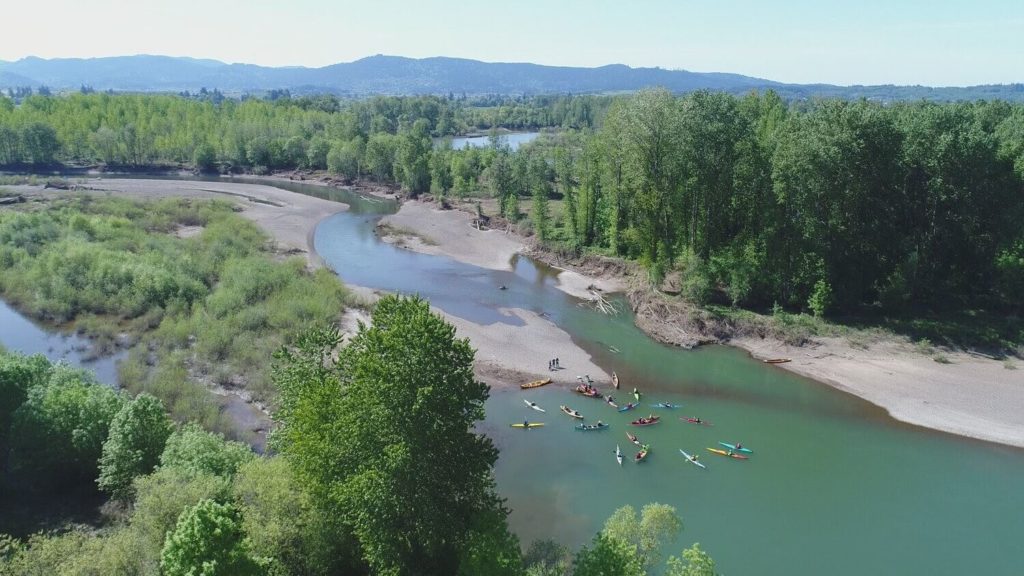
x=513 y=139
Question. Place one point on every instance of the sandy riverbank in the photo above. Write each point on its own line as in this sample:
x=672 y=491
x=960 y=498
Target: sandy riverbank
x=421 y=227
x=970 y=396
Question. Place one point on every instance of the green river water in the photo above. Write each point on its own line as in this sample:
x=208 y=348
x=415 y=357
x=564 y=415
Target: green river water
x=835 y=486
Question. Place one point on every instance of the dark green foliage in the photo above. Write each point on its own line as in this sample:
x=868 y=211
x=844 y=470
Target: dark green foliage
x=18 y=375
x=57 y=434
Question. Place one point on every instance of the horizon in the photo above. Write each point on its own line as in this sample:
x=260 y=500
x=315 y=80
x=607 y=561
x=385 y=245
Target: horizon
x=799 y=42
x=380 y=55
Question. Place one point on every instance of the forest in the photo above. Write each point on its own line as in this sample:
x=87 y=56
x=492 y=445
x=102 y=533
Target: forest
x=829 y=206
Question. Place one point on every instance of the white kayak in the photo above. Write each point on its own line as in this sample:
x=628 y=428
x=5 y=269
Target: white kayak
x=533 y=405
x=618 y=454
x=691 y=460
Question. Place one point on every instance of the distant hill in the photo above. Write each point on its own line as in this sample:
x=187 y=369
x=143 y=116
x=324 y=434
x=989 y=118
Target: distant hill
x=398 y=75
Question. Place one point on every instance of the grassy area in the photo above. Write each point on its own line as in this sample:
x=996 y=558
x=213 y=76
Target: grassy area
x=199 y=311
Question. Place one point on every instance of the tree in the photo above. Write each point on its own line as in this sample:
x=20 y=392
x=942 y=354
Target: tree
x=208 y=541
x=372 y=435
x=58 y=432
x=204 y=158
x=18 y=375
x=137 y=438
x=196 y=451
x=39 y=143
x=647 y=533
x=695 y=562
x=607 y=556
x=412 y=160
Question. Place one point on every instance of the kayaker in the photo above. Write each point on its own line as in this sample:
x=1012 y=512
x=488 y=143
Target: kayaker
x=739 y=446
x=599 y=424
x=526 y=423
x=698 y=421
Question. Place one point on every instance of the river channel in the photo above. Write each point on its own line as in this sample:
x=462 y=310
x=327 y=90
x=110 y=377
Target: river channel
x=835 y=486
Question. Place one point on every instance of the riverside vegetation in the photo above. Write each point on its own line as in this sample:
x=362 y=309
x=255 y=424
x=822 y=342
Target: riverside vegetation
x=187 y=501
x=208 y=308
x=900 y=215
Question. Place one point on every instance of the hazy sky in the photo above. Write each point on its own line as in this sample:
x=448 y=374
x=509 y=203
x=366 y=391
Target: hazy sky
x=933 y=42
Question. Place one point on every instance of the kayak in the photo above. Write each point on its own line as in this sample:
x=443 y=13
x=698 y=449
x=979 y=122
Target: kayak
x=618 y=455
x=735 y=449
x=571 y=412
x=533 y=405
x=588 y=392
x=615 y=380
x=611 y=402
x=691 y=460
x=586 y=427
x=666 y=405
x=646 y=421
x=777 y=360
x=641 y=454
x=695 y=421
x=633 y=439
x=724 y=453
x=535 y=383
x=636 y=395
x=629 y=406
x=528 y=425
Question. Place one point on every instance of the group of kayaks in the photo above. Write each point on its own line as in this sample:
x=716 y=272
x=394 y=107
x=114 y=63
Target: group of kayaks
x=587 y=388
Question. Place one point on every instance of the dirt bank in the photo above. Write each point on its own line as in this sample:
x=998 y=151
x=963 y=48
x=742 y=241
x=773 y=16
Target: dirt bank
x=422 y=227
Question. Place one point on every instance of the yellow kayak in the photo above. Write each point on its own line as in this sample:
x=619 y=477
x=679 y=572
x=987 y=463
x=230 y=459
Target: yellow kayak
x=535 y=383
x=529 y=425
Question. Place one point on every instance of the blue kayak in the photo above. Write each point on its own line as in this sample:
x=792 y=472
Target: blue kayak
x=668 y=405
x=629 y=406
x=586 y=427
x=734 y=448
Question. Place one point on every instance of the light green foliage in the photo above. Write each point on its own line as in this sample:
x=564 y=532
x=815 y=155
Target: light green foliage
x=695 y=562
x=208 y=541
x=194 y=451
x=220 y=302
x=57 y=434
x=374 y=434
x=821 y=299
x=281 y=521
x=607 y=556
x=137 y=437
x=647 y=533
x=160 y=499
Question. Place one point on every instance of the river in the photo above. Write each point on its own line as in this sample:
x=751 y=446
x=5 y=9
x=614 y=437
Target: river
x=835 y=485
x=513 y=139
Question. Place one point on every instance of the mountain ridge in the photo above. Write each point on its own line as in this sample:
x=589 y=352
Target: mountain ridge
x=385 y=74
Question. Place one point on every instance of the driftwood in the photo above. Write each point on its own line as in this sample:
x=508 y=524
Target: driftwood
x=12 y=200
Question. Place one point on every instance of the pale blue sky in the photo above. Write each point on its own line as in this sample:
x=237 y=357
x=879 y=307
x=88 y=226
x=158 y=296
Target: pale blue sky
x=933 y=42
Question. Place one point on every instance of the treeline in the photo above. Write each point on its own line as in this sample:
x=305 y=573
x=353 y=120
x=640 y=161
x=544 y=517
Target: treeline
x=253 y=134
x=378 y=471
x=826 y=206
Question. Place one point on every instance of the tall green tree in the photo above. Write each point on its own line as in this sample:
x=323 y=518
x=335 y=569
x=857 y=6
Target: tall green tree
x=133 y=447
x=647 y=533
x=384 y=436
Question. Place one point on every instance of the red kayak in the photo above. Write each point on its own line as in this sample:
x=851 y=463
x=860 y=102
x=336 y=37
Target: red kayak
x=633 y=439
x=695 y=421
x=589 y=392
x=646 y=421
